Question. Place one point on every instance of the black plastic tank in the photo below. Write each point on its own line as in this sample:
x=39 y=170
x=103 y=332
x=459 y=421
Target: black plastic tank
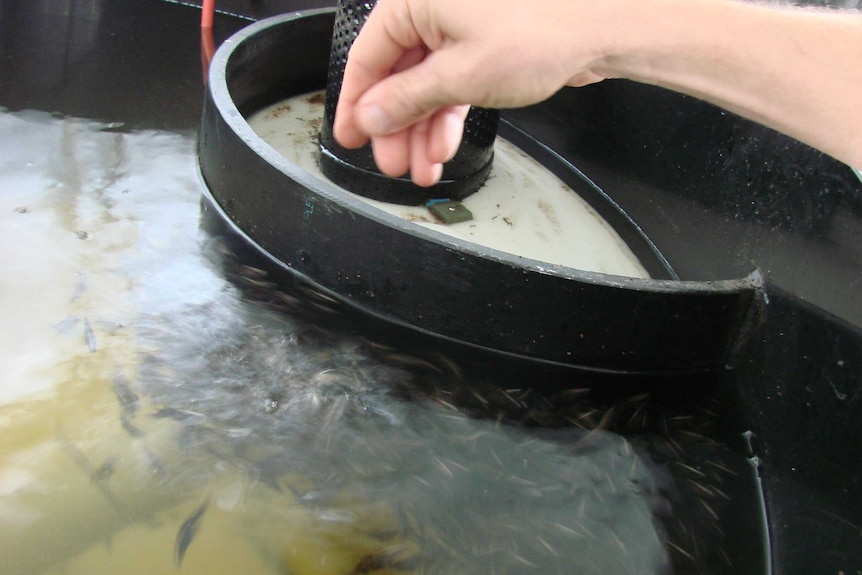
x=424 y=283
x=715 y=195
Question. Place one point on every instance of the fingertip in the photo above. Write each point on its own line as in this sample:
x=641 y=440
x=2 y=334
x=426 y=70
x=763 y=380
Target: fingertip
x=374 y=120
x=347 y=138
x=391 y=154
x=426 y=174
x=445 y=133
x=423 y=171
x=345 y=131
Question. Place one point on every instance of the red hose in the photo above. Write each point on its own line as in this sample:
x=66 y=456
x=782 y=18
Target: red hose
x=207 y=11
x=207 y=41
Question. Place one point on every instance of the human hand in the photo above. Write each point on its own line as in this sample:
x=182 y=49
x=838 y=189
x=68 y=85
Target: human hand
x=417 y=65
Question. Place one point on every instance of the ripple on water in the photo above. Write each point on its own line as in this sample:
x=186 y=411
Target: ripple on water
x=189 y=425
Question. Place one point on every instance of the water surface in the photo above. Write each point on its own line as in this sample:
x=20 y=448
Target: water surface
x=155 y=418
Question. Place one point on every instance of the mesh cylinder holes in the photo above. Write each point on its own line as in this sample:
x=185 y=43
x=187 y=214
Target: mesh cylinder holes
x=355 y=170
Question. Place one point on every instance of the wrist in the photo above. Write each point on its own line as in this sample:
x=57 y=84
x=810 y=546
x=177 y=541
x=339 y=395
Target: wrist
x=646 y=38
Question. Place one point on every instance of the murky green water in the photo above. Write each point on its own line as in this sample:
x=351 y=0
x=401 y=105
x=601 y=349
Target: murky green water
x=153 y=419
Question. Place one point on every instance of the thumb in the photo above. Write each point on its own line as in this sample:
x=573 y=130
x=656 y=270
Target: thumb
x=413 y=94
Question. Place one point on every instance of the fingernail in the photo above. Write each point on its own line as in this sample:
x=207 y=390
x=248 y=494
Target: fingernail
x=375 y=121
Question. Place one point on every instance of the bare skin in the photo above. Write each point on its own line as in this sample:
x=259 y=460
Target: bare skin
x=417 y=65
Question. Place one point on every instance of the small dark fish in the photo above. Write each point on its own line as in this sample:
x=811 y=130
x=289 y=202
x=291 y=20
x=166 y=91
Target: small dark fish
x=187 y=532
x=252 y=272
x=287 y=299
x=106 y=469
x=132 y=429
x=89 y=336
x=129 y=400
x=115 y=128
x=181 y=416
x=395 y=557
x=67 y=325
x=80 y=286
x=98 y=476
x=155 y=463
x=259 y=283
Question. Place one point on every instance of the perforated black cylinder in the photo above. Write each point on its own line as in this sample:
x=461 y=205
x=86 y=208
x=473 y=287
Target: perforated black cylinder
x=355 y=170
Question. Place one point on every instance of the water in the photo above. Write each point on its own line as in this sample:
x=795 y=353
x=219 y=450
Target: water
x=155 y=418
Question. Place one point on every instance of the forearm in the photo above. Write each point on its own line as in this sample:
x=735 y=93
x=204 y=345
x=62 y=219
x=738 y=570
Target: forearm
x=795 y=70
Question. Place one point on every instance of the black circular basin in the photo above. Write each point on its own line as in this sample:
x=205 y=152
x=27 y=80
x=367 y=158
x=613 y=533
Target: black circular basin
x=413 y=278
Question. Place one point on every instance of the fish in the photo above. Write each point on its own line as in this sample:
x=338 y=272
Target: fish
x=98 y=476
x=181 y=416
x=187 y=532
x=89 y=336
x=129 y=400
x=80 y=286
x=106 y=469
x=132 y=429
x=67 y=325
